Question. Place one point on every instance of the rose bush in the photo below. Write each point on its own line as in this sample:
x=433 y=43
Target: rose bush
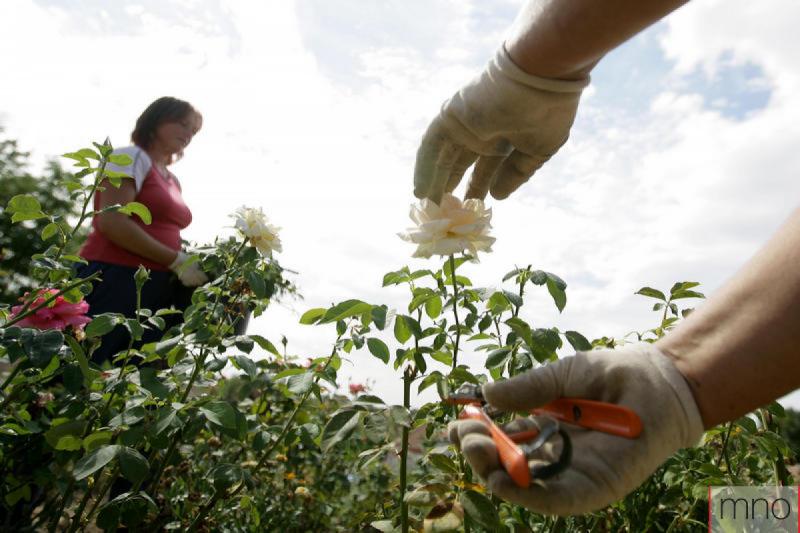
x=214 y=430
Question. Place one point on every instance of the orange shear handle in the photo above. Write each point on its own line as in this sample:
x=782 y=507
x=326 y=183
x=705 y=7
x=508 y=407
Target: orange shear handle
x=600 y=416
x=511 y=456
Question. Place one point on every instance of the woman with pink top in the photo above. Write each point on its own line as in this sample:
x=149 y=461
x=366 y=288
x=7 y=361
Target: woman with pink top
x=118 y=244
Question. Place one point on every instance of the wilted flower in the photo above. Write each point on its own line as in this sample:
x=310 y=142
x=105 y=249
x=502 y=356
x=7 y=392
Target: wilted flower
x=355 y=388
x=58 y=314
x=450 y=227
x=253 y=224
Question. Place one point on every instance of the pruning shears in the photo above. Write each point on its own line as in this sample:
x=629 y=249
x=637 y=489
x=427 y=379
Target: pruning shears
x=515 y=449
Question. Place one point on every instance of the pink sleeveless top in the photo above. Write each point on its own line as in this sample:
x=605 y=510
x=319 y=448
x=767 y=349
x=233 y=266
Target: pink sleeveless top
x=162 y=196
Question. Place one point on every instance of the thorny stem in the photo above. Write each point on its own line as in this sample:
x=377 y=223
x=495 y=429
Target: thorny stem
x=523 y=279
x=408 y=377
x=97 y=180
x=455 y=311
x=777 y=463
x=462 y=465
x=11 y=376
x=724 y=451
x=102 y=494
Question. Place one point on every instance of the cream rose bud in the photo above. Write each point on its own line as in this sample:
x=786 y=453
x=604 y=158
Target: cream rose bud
x=254 y=225
x=450 y=227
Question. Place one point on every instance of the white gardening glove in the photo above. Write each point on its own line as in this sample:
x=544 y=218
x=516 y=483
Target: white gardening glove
x=510 y=121
x=190 y=275
x=604 y=467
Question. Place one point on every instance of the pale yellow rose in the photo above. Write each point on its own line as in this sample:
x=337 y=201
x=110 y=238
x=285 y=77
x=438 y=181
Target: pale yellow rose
x=451 y=227
x=254 y=225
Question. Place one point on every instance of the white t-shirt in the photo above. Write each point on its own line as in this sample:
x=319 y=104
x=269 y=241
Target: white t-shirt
x=138 y=169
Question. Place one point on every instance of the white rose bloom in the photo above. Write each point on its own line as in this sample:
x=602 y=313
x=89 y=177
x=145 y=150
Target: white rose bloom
x=450 y=227
x=253 y=224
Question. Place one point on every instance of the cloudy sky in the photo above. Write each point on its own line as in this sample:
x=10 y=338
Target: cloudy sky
x=681 y=163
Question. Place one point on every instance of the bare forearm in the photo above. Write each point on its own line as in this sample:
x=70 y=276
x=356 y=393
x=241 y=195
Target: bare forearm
x=741 y=349
x=123 y=232
x=565 y=39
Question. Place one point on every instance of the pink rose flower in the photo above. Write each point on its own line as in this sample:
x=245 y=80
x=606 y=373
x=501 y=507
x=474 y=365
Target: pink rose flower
x=58 y=314
x=355 y=388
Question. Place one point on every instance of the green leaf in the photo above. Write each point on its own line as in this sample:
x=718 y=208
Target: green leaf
x=443 y=463
x=430 y=379
x=244 y=343
x=88 y=374
x=376 y=427
x=44 y=346
x=497 y=358
x=678 y=295
x=419 y=360
x=379 y=349
x=257 y=283
x=481 y=509
x=128 y=417
x=400 y=415
x=313 y=315
x=23 y=203
x=97 y=439
x=521 y=328
x=49 y=230
x=133 y=465
x=511 y=274
x=265 y=344
x=27 y=215
x=165 y=420
x=433 y=306
x=101 y=324
x=139 y=209
x=401 y=331
x=121 y=160
x=220 y=413
x=652 y=293
x=226 y=476
x=289 y=372
x=69 y=443
x=445 y=358
x=300 y=383
x=413 y=325
x=683 y=285
x=339 y=428
x=378 y=313
x=149 y=380
x=461 y=375
x=557 y=292
x=514 y=298
x=246 y=364
x=344 y=310
x=94 y=461
x=578 y=341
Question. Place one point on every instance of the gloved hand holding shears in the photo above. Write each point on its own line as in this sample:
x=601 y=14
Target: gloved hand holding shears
x=604 y=466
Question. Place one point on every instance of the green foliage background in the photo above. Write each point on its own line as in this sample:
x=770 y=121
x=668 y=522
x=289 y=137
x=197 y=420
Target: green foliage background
x=19 y=242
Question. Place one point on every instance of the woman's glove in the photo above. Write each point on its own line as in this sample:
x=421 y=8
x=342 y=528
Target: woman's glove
x=604 y=467
x=190 y=275
x=510 y=121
